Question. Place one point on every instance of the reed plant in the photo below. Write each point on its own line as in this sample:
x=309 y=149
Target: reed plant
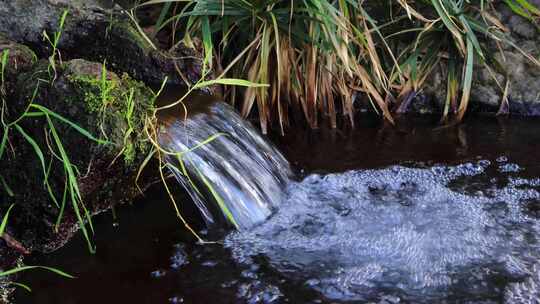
x=320 y=56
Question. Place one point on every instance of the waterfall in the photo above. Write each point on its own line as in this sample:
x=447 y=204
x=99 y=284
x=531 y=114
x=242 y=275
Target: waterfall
x=230 y=171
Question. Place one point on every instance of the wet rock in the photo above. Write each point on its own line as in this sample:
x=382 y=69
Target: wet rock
x=20 y=59
x=488 y=85
x=108 y=106
x=96 y=31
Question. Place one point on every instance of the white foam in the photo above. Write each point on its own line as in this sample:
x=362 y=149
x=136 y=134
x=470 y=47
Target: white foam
x=398 y=231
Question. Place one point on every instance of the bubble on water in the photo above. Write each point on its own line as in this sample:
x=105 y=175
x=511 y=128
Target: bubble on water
x=484 y=163
x=397 y=232
x=176 y=300
x=179 y=258
x=509 y=168
x=259 y=292
x=502 y=159
x=526 y=291
x=158 y=273
x=209 y=263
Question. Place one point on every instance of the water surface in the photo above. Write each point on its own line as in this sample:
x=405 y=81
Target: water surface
x=378 y=214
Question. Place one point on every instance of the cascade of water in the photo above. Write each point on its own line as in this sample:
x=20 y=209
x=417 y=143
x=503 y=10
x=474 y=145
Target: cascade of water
x=229 y=170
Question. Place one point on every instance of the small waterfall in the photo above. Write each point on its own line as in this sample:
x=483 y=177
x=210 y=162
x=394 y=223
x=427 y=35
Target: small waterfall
x=229 y=170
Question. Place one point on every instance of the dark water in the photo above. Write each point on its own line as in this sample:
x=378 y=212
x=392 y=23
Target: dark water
x=378 y=214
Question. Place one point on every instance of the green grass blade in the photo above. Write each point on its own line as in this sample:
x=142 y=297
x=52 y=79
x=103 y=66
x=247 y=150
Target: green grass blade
x=467 y=79
x=186 y=174
x=230 y=81
x=4 y=141
x=207 y=42
x=164 y=11
x=62 y=206
x=6 y=187
x=74 y=192
x=24 y=268
x=35 y=146
x=218 y=199
x=4 y=220
x=529 y=6
x=23 y=286
x=4 y=62
x=70 y=123
x=202 y=143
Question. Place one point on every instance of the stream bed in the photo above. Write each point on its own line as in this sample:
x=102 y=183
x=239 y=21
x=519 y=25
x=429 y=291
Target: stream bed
x=411 y=214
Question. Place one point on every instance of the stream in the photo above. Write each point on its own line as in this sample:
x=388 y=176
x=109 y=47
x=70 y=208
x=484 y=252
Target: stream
x=377 y=214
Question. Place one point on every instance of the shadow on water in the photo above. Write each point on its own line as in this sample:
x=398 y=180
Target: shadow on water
x=456 y=221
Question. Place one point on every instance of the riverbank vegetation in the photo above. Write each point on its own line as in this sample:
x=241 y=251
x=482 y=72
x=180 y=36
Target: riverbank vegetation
x=321 y=61
x=320 y=57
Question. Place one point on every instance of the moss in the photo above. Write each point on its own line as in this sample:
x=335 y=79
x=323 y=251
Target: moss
x=119 y=105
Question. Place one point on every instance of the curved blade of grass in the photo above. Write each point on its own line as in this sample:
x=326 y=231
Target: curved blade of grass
x=218 y=199
x=70 y=123
x=230 y=81
x=142 y=166
x=202 y=143
x=74 y=192
x=4 y=220
x=39 y=153
x=186 y=174
x=164 y=11
x=3 y=65
x=447 y=20
x=3 y=142
x=35 y=146
x=207 y=43
x=23 y=286
x=467 y=80
x=6 y=187
x=62 y=206
x=24 y=268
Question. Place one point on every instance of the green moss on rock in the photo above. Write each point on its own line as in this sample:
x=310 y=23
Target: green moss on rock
x=118 y=106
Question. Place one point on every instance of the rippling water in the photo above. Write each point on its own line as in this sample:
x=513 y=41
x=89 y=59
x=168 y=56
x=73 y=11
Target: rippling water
x=400 y=233
x=377 y=215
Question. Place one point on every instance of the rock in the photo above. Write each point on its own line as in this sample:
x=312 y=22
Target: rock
x=20 y=60
x=488 y=85
x=96 y=32
x=522 y=27
x=110 y=107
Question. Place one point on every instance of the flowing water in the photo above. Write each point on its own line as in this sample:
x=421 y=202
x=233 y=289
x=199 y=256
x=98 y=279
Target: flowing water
x=411 y=214
x=229 y=167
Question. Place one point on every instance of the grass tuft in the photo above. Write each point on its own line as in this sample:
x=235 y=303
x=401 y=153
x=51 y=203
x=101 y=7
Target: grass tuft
x=317 y=54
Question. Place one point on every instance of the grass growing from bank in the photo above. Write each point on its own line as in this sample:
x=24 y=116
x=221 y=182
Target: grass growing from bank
x=9 y=272
x=34 y=110
x=321 y=56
